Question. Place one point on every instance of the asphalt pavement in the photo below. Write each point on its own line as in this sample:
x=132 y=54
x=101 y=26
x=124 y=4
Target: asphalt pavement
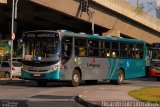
x=59 y=94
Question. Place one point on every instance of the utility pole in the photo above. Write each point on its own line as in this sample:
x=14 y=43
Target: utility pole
x=12 y=32
x=85 y=8
x=137 y=3
x=93 y=22
x=14 y=16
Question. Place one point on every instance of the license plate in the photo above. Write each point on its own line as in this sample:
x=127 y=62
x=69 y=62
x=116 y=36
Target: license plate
x=37 y=75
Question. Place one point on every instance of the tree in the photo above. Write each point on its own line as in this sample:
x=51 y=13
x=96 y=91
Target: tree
x=150 y=6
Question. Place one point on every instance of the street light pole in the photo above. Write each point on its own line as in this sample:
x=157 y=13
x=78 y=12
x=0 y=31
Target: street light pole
x=12 y=32
x=93 y=22
x=15 y=15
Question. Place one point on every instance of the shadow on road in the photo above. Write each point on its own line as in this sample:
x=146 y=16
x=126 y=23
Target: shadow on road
x=27 y=83
x=145 y=79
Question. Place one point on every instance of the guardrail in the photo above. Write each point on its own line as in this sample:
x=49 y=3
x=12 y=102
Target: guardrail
x=125 y=8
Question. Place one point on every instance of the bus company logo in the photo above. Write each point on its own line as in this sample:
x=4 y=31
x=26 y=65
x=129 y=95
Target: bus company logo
x=94 y=60
x=93 y=65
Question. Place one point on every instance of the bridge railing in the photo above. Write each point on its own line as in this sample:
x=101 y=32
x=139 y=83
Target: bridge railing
x=125 y=8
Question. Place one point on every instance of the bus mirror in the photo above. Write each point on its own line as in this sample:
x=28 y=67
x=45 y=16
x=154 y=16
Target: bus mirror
x=21 y=41
x=66 y=48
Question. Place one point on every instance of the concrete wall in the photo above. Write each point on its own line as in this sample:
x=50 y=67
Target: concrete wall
x=104 y=18
x=3 y=1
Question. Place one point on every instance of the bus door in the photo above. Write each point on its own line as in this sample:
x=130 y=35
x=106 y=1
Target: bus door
x=139 y=55
x=66 y=57
x=136 y=59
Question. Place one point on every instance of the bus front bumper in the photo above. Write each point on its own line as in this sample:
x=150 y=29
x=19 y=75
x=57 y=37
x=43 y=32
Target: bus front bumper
x=27 y=75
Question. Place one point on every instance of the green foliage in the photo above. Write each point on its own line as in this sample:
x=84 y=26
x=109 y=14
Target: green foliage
x=4 y=44
x=5 y=47
x=139 y=10
x=149 y=94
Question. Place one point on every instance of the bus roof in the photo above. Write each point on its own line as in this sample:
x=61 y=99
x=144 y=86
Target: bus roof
x=107 y=37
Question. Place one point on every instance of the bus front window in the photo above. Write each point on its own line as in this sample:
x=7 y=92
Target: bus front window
x=42 y=49
x=156 y=54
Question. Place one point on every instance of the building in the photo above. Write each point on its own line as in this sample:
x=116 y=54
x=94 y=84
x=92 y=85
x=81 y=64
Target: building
x=158 y=13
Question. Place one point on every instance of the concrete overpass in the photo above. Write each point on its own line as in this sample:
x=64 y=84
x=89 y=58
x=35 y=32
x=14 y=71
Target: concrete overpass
x=3 y=1
x=111 y=17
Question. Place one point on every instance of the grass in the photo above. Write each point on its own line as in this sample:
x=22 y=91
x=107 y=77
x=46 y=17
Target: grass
x=148 y=94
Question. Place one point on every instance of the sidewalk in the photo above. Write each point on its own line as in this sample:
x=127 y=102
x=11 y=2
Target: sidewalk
x=115 y=93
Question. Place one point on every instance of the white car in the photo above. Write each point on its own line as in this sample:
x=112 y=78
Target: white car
x=5 y=68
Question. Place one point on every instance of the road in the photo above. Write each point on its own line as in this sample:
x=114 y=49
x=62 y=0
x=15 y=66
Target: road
x=60 y=94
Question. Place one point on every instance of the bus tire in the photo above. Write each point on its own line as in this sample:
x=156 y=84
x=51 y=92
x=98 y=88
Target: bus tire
x=42 y=83
x=158 y=78
x=120 y=78
x=75 y=78
x=91 y=81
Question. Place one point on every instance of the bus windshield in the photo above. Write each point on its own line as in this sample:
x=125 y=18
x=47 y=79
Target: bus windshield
x=41 y=47
x=156 y=54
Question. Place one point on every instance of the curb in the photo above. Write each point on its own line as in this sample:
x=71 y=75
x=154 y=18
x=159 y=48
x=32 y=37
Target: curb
x=86 y=103
x=6 y=82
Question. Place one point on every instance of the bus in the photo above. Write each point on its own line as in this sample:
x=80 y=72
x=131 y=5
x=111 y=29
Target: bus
x=68 y=56
x=155 y=61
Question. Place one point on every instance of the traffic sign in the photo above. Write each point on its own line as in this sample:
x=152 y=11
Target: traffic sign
x=13 y=36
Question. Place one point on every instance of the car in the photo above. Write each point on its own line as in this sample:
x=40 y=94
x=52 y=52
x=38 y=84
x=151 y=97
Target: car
x=5 y=68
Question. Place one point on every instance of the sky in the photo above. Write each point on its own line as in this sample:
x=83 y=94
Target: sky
x=149 y=5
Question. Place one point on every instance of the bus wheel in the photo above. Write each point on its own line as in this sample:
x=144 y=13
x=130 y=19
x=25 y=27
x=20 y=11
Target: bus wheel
x=158 y=78
x=75 y=78
x=91 y=81
x=120 y=78
x=42 y=83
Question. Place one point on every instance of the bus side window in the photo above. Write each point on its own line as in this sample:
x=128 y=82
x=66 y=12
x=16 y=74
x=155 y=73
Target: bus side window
x=90 y=52
x=66 y=49
x=130 y=54
x=137 y=55
x=123 y=50
x=131 y=50
x=106 y=49
x=80 y=47
x=107 y=53
x=114 y=54
x=115 y=49
x=82 y=51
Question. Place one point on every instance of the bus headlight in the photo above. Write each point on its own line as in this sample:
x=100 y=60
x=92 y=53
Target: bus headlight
x=55 y=67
